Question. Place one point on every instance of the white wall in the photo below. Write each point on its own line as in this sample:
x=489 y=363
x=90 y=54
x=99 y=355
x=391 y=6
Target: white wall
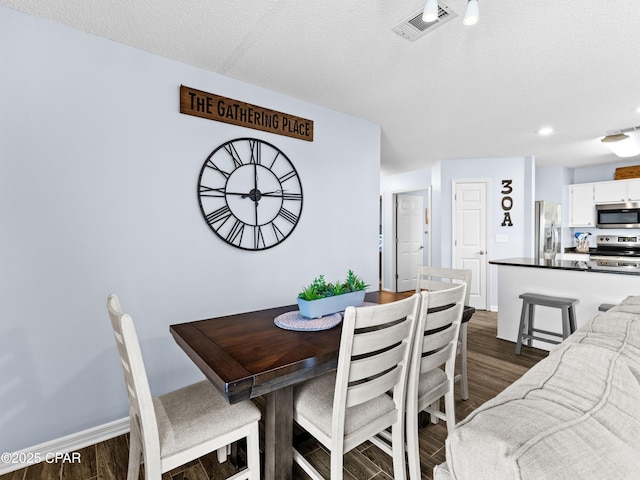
x=550 y=183
x=98 y=195
x=601 y=173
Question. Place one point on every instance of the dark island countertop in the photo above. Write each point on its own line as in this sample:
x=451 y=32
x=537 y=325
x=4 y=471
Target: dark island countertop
x=575 y=265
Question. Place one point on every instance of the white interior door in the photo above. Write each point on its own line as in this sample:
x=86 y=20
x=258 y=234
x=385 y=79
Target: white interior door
x=409 y=240
x=470 y=236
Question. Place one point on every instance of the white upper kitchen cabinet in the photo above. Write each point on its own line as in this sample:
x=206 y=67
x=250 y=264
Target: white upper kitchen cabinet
x=582 y=205
x=616 y=191
x=633 y=190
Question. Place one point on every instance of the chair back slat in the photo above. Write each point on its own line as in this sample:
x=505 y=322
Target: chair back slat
x=362 y=392
x=437 y=278
x=447 y=297
x=373 y=365
x=436 y=341
x=373 y=340
x=436 y=359
x=379 y=315
x=439 y=319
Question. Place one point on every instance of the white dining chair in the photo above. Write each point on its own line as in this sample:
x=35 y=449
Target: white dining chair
x=367 y=393
x=435 y=346
x=182 y=425
x=437 y=278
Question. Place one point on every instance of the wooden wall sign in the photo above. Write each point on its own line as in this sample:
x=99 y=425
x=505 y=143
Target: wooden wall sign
x=507 y=203
x=227 y=110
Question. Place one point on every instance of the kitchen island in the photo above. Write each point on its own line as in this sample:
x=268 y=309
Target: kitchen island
x=590 y=283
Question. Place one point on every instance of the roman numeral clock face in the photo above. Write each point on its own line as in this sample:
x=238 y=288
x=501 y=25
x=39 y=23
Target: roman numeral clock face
x=250 y=194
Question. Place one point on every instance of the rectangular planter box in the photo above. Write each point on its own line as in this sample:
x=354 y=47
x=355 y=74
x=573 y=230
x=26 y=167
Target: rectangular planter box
x=327 y=306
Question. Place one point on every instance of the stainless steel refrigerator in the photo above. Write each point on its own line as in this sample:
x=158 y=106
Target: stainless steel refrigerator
x=548 y=229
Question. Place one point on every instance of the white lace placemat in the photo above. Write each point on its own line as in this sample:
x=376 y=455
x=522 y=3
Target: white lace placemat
x=295 y=321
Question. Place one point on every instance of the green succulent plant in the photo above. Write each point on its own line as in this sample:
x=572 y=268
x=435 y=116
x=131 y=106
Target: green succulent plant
x=319 y=288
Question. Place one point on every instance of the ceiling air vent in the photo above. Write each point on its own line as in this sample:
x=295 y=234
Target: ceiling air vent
x=413 y=27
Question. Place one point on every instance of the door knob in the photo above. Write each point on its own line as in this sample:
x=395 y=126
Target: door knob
x=480 y=253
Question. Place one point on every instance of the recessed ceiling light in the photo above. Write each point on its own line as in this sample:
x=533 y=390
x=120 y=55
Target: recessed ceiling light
x=545 y=131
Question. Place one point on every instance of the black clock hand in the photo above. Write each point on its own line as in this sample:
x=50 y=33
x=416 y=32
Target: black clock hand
x=255 y=189
x=281 y=192
x=255 y=206
x=274 y=193
x=255 y=176
x=243 y=195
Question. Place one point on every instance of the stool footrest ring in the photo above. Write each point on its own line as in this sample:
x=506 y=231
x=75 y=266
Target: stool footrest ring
x=546 y=332
x=533 y=337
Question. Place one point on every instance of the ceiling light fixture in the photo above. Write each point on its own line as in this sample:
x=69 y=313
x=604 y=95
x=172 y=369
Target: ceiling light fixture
x=430 y=13
x=545 y=131
x=472 y=14
x=621 y=144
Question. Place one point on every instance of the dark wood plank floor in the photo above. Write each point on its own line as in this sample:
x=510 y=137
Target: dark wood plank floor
x=492 y=366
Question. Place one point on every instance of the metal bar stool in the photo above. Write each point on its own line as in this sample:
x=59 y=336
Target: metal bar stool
x=526 y=329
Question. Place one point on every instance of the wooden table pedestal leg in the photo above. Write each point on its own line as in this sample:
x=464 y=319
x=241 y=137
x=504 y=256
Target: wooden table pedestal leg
x=278 y=435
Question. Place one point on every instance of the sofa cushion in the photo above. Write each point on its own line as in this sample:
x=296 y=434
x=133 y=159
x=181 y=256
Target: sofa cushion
x=630 y=304
x=575 y=415
x=617 y=330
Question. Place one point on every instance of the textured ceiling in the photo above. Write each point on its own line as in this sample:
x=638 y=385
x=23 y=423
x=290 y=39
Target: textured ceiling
x=457 y=92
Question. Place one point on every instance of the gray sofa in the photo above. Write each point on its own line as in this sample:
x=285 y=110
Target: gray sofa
x=575 y=415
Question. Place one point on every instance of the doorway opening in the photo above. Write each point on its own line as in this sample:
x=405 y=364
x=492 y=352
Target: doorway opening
x=406 y=224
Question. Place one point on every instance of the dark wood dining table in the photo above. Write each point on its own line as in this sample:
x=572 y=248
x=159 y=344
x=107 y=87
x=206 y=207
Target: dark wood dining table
x=246 y=355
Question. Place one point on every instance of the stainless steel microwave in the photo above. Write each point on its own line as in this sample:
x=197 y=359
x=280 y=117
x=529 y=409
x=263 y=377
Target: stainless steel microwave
x=618 y=215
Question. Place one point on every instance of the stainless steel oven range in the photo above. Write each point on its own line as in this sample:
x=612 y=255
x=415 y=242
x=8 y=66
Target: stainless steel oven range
x=617 y=251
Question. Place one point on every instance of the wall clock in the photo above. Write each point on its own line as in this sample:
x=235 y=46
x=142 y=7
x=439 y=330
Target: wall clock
x=250 y=194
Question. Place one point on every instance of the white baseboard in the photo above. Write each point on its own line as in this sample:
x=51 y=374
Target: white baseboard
x=493 y=308
x=68 y=444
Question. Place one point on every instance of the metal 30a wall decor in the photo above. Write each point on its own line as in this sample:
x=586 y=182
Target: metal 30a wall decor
x=222 y=109
x=507 y=203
